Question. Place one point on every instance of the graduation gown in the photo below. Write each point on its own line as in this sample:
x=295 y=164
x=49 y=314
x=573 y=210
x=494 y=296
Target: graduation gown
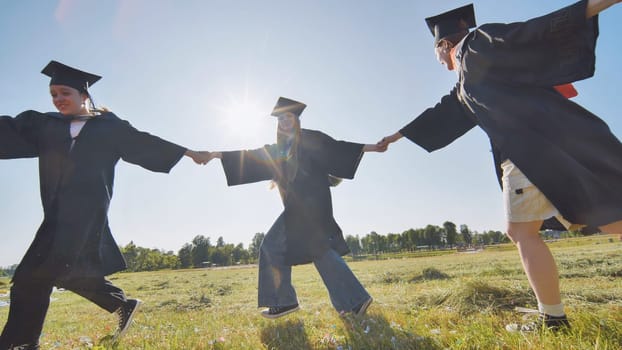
x=76 y=183
x=507 y=72
x=310 y=228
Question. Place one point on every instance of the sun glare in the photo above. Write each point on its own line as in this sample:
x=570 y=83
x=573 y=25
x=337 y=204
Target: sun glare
x=243 y=118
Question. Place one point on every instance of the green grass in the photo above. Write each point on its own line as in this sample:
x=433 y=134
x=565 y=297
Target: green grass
x=456 y=301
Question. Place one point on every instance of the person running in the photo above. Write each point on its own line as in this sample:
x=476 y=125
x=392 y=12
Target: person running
x=554 y=158
x=78 y=148
x=303 y=164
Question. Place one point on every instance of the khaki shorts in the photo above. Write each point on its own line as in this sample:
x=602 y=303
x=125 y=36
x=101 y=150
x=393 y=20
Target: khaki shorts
x=523 y=201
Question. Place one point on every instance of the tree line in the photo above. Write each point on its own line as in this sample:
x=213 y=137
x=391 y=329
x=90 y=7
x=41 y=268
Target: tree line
x=201 y=252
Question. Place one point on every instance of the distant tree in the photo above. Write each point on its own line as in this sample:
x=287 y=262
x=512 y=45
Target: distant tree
x=375 y=242
x=253 y=248
x=451 y=234
x=240 y=255
x=130 y=254
x=144 y=259
x=354 y=244
x=365 y=245
x=10 y=271
x=394 y=242
x=371 y=243
x=483 y=238
x=498 y=237
x=466 y=234
x=221 y=256
x=410 y=239
x=185 y=256
x=200 y=250
x=220 y=242
x=432 y=236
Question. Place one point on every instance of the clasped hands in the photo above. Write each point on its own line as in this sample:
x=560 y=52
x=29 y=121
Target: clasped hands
x=202 y=157
x=387 y=140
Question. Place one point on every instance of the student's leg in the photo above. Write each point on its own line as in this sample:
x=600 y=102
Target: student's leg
x=526 y=207
x=107 y=296
x=538 y=263
x=275 y=278
x=30 y=300
x=97 y=290
x=344 y=289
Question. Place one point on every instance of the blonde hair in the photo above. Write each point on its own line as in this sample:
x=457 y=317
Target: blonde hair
x=91 y=106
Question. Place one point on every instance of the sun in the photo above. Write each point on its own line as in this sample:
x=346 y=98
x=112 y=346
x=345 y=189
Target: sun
x=243 y=117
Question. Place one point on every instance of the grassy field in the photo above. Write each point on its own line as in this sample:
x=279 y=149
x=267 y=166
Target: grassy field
x=457 y=301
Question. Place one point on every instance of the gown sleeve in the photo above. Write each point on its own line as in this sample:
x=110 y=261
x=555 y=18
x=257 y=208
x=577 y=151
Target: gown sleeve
x=18 y=136
x=248 y=166
x=148 y=151
x=440 y=125
x=340 y=158
x=549 y=50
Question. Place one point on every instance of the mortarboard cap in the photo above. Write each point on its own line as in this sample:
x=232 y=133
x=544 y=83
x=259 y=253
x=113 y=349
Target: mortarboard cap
x=284 y=105
x=61 y=74
x=451 y=22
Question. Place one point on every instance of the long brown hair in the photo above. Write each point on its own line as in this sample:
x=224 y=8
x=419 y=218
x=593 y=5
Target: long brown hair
x=287 y=146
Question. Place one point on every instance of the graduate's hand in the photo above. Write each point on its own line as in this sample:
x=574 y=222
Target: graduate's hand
x=201 y=157
x=387 y=140
x=374 y=148
x=594 y=7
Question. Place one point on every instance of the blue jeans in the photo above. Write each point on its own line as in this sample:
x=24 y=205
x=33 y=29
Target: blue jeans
x=275 y=278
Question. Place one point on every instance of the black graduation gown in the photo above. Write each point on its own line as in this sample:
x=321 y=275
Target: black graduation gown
x=506 y=76
x=74 y=240
x=310 y=228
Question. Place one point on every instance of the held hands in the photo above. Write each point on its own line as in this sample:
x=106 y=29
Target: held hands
x=384 y=143
x=374 y=148
x=203 y=157
x=199 y=157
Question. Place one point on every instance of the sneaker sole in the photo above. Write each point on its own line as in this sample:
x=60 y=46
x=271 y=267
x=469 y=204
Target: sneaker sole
x=122 y=332
x=364 y=307
x=272 y=317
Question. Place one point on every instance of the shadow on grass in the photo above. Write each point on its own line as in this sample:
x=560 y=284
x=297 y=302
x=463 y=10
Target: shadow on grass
x=285 y=336
x=373 y=331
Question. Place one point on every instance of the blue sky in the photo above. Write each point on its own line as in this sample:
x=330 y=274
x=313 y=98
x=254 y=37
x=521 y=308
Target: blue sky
x=205 y=74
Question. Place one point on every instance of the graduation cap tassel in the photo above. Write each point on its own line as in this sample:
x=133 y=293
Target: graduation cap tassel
x=91 y=101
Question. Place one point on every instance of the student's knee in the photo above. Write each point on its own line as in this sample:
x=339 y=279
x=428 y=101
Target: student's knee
x=515 y=235
x=521 y=231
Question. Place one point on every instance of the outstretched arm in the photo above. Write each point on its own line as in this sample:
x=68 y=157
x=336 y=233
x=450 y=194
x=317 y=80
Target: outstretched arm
x=18 y=135
x=248 y=166
x=594 y=7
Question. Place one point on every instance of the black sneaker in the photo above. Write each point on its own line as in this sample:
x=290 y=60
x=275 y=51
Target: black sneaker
x=554 y=323
x=126 y=314
x=544 y=321
x=360 y=309
x=278 y=311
